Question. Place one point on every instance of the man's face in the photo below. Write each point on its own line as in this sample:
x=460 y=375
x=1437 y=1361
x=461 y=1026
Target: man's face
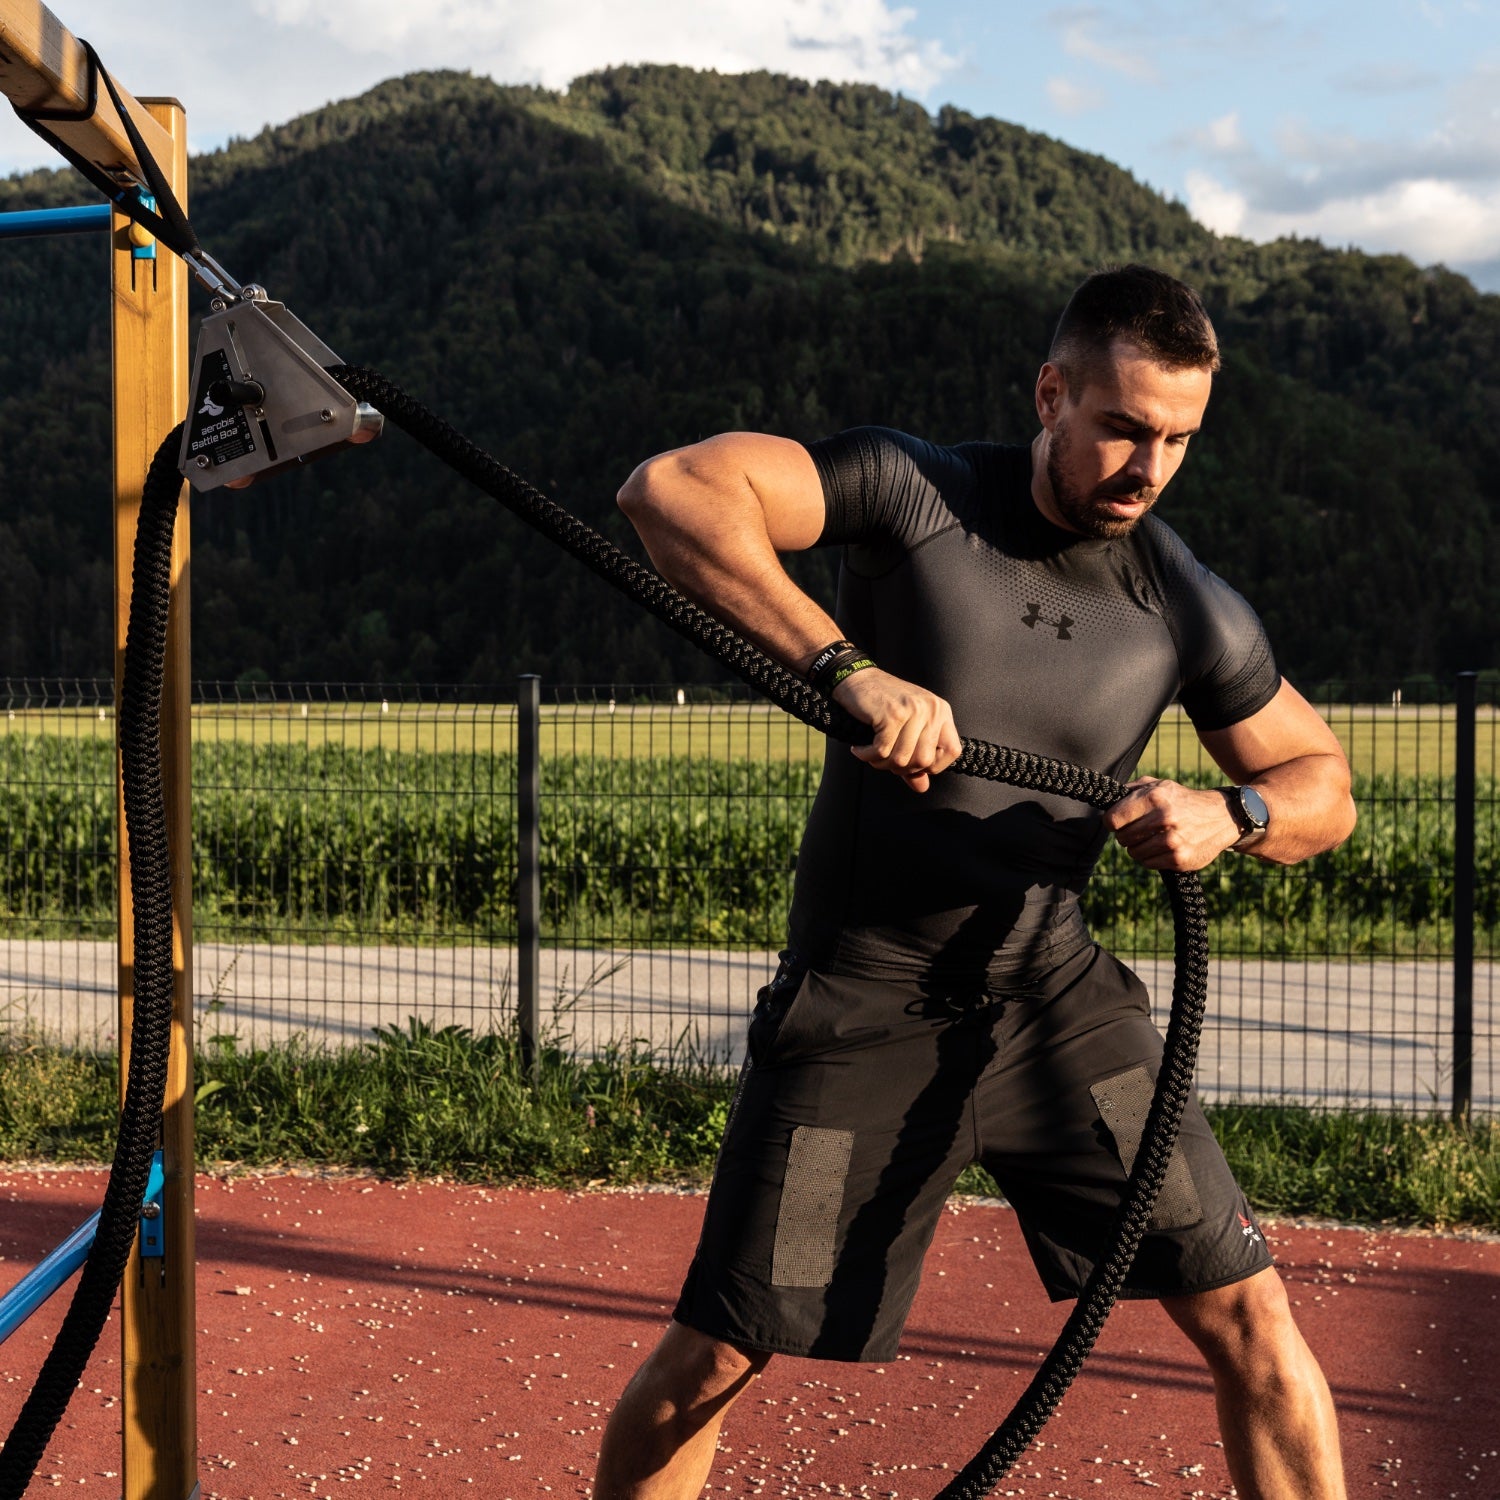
x=1112 y=446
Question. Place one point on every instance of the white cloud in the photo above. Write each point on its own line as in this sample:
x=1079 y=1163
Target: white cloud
x=296 y=55
x=1386 y=78
x=1068 y=97
x=520 y=39
x=1081 y=39
x=1224 y=133
x=1425 y=218
x=1434 y=197
x=1216 y=206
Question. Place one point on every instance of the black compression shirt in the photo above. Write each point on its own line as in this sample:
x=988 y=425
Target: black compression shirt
x=1063 y=645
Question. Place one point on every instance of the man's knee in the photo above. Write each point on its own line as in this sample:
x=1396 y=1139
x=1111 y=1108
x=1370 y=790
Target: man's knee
x=1242 y=1326
x=690 y=1377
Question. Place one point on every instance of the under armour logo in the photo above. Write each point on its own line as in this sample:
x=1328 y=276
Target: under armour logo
x=1060 y=625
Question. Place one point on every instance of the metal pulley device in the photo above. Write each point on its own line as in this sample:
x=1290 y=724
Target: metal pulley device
x=262 y=400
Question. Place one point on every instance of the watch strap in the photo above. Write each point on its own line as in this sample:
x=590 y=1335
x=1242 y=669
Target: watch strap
x=1252 y=827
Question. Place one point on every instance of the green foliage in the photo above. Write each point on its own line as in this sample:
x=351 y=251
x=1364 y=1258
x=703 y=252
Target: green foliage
x=294 y=841
x=577 y=280
x=418 y=1100
x=55 y=1103
x=1355 y=1165
x=1388 y=890
x=421 y=1100
x=1364 y=1165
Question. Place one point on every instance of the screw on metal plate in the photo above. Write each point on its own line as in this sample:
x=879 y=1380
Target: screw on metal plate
x=153 y=1225
x=326 y=415
x=201 y=460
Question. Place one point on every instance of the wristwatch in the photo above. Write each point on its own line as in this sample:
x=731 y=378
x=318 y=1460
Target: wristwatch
x=1251 y=815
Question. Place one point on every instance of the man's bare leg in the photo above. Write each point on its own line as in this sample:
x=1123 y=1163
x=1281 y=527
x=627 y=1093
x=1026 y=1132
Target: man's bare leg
x=659 y=1441
x=1276 y=1416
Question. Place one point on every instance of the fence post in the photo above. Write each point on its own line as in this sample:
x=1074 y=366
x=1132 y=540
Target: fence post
x=528 y=866
x=1463 y=898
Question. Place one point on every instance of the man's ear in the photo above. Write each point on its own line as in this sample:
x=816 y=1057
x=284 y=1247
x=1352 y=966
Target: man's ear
x=1051 y=392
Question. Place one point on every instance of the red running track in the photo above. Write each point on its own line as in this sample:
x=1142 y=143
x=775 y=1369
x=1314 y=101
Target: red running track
x=368 y=1336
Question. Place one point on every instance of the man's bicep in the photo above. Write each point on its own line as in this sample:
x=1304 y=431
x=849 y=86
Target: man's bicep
x=1287 y=728
x=780 y=474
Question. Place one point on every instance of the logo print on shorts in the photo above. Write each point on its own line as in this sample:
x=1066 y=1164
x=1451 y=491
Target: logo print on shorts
x=1247 y=1228
x=1061 y=624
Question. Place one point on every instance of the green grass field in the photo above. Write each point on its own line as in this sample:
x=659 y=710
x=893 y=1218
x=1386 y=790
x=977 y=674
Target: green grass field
x=1378 y=738
x=415 y=1101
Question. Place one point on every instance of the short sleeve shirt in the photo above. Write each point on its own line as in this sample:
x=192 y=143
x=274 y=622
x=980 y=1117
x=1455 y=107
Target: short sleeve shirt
x=1041 y=639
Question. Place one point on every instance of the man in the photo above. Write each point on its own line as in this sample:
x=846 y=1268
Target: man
x=940 y=1001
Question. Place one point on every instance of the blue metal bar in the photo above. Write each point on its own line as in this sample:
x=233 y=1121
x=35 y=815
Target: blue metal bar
x=39 y=1284
x=89 y=217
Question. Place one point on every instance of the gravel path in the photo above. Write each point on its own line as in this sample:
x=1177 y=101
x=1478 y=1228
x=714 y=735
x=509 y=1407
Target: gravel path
x=1317 y=1031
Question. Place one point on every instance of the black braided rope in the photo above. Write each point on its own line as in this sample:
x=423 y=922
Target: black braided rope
x=1173 y=1086
x=151 y=888
x=989 y=762
x=150 y=878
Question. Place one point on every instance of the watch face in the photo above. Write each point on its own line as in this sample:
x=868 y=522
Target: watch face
x=1255 y=807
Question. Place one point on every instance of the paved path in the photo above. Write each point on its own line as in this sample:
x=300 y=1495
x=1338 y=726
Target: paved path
x=1318 y=1030
x=360 y=1336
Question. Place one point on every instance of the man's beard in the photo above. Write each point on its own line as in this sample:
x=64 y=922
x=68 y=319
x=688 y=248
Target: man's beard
x=1085 y=511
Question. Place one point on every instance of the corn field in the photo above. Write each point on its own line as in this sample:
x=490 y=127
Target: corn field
x=313 y=842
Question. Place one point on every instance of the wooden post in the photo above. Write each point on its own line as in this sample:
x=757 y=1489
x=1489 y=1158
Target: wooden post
x=151 y=367
x=42 y=66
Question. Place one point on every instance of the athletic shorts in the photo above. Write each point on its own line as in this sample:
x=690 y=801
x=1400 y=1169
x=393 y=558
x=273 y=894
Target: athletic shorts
x=862 y=1100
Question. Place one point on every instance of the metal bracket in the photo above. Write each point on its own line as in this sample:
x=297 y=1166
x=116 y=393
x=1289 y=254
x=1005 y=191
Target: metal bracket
x=153 y=1223
x=262 y=401
x=142 y=241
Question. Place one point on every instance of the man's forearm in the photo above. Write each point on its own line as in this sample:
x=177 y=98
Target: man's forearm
x=1167 y=826
x=1311 y=808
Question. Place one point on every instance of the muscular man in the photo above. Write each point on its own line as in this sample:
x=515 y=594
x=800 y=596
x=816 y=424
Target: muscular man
x=940 y=1000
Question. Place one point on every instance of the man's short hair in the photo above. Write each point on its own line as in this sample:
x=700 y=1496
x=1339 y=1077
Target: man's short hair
x=1163 y=316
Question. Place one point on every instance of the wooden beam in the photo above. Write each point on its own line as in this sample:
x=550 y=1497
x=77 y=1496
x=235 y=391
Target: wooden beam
x=151 y=368
x=42 y=66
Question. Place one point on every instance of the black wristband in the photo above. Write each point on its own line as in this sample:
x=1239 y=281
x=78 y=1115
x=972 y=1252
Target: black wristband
x=826 y=656
x=843 y=669
x=828 y=670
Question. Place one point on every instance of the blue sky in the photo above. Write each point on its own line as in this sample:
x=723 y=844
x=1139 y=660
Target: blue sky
x=1372 y=124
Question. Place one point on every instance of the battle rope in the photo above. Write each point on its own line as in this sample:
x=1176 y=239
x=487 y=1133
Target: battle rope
x=146 y=821
x=990 y=762
x=150 y=879
x=151 y=889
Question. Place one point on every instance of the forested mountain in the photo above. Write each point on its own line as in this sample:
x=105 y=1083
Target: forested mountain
x=579 y=280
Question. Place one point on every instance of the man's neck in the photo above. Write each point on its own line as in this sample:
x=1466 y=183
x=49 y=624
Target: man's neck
x=1041 y=486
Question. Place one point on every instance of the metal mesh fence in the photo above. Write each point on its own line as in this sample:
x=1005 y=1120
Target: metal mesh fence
x=57 y=878
x=355 y=865
x=1487 y=895
x=1333 y=980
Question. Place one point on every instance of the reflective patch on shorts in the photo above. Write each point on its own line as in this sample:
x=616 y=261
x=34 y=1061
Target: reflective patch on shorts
x=811 y=1197
x=1123 y=1103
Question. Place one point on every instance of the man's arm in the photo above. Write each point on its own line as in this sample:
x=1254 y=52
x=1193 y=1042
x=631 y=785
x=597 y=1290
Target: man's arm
x=1287 y=753
x=713 y=517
